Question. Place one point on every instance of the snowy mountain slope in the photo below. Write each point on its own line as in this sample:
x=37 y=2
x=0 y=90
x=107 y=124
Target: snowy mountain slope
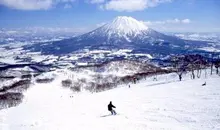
x=34 y=35
x=209 y=42
x=182 y=105
x=124 y=25
x=122 y=33
x=211 y=37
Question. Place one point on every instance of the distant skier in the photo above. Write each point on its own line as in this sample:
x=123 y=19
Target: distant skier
x=180 y=77
x=110 y=108
x=204 y=84
x=129 y=86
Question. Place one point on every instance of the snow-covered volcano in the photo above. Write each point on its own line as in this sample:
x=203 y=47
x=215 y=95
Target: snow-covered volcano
x=125 y=29
x=121 y=33
x=125 y=26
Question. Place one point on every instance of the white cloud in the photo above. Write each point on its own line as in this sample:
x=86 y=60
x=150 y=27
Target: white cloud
x=148 y=22
x=129 y=5
x=170 y=25
x=125 y=5
x=33 y=4
x=96 y=1
x=186 y=21
x=169 y=21
x=100 y=24
x=117 y=5
x=173 y=21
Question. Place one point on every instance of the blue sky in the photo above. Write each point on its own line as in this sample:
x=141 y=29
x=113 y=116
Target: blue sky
x=85 y=15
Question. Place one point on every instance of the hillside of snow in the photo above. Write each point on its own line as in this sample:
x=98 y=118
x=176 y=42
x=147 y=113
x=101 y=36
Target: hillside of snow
x=164 y=103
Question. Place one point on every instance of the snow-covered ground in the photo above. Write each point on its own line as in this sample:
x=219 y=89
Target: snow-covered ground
x=212 y=37
x=210 y=49
x=164 y=104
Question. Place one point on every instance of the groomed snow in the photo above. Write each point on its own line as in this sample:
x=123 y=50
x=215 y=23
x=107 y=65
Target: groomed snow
x=156 y=105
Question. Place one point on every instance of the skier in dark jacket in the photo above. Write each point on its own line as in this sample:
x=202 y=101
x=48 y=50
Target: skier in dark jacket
x=110 y=108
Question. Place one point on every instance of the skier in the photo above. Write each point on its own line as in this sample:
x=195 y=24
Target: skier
x=110 y=108
x=180 y=77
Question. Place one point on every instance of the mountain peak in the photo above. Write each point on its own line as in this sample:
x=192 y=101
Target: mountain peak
x=125 y=25
x=122 y=33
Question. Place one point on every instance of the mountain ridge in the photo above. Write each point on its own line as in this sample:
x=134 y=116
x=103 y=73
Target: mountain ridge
x=121 y=33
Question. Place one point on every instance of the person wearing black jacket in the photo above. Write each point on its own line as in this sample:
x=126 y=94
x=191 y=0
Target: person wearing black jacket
x=110 y=108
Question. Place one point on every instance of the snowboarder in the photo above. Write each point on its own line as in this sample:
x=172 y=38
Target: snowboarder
x=110 y=108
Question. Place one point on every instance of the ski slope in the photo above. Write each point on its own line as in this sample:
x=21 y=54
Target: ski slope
x=165 y=104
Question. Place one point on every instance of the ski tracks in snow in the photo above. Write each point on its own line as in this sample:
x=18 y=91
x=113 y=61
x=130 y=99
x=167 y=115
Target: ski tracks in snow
x=182 y=105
